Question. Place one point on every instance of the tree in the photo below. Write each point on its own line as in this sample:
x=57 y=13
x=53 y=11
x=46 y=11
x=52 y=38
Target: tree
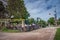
x=51 y=21
x=17 y=7
x=58 y=22
x=42 y=23
x=3 y=12
x=31 y=21
x=2 y=8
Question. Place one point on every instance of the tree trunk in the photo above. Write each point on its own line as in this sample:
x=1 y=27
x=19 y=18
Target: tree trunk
x=23 y=25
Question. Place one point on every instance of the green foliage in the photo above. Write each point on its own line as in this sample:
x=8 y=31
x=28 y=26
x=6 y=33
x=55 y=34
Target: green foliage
x=51 y=21
x=11 y=31
x=42 y=23
x=17 y=8
x=2 y=10
x=57 y=36
x=4 y=29
x=1 y=6
x=58 y=22
x=31 y=20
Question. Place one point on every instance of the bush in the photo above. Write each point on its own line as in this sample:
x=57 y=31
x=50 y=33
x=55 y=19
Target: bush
x=42 y=23
x=4 y=29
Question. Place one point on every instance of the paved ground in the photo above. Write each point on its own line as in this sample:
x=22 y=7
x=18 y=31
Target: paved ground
x=40 y=34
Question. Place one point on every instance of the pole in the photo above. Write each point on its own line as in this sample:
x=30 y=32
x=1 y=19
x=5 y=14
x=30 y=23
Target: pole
x=55 y=17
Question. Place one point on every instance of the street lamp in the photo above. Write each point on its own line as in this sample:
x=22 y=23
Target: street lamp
x=55 y=17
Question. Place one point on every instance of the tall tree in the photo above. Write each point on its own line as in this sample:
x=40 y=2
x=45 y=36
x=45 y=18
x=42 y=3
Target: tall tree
x=17 y=7
x=42 y=23
x=3 y=11
x=51 y=21
x=31 y=20
x=2 y=8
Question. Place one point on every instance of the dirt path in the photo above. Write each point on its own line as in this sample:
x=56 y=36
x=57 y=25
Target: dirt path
x=40 y=34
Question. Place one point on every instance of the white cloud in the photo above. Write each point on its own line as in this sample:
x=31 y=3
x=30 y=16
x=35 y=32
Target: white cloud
x=42 y=8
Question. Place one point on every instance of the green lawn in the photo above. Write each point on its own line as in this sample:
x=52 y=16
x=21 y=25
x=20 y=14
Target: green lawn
x=9 y=30
x=57 y=36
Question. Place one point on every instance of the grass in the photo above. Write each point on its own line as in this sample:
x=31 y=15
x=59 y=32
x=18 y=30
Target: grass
x=10 y=30
x=57 y=36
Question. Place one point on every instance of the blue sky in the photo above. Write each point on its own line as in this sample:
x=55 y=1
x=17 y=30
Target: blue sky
x=42 y=8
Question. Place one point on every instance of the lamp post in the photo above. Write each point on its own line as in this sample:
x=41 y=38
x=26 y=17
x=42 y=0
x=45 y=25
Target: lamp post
x=55 y=15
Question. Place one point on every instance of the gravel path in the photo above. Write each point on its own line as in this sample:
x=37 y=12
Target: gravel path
x=40 y=34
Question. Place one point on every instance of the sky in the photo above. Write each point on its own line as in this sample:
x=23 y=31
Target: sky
x=42 y=8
